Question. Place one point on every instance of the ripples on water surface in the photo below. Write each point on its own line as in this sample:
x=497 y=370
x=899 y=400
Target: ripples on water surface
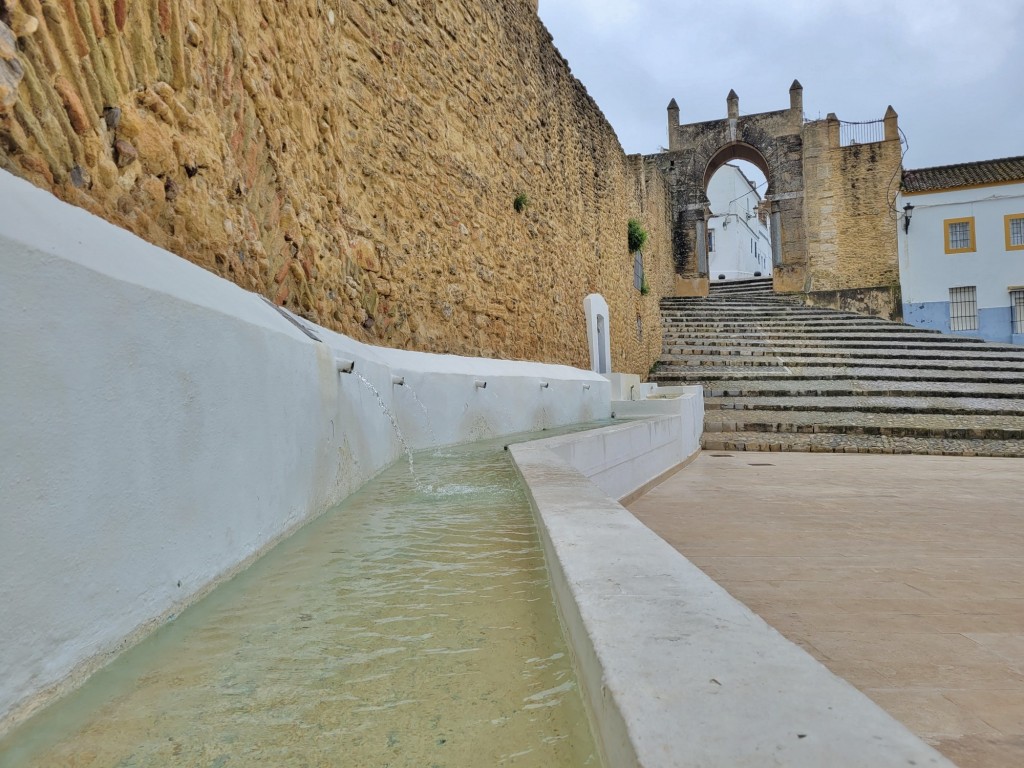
x=411 y=626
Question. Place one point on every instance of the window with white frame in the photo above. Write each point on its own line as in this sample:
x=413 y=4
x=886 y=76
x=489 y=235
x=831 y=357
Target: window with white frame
x=711 y=240
x=1017 y=309
x=963 y=308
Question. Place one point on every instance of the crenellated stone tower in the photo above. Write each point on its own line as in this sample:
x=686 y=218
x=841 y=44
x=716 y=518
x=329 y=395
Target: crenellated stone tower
x=830 y=190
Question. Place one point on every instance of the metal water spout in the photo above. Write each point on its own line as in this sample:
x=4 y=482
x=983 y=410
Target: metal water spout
x=345 y=366
x=586 y=386
x=544 y=385
x=480 y=384
x=398 y=381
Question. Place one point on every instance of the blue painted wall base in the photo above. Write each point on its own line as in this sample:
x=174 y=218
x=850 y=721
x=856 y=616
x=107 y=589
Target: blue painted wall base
x=994 y=323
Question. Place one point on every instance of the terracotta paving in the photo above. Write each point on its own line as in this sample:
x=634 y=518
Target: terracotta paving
x=902 y=574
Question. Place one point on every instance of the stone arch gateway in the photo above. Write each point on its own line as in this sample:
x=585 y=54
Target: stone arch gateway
x=830 y=200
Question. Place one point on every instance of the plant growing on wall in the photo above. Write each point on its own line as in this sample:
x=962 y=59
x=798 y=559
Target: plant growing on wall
x=637 y=235
x=521 y=202
x=644 y=287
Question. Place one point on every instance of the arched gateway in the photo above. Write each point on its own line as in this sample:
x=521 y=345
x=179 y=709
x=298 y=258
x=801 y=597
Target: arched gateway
x=830 y=191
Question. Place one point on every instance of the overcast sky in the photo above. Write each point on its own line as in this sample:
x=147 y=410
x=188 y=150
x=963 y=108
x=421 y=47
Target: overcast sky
x=952 y=69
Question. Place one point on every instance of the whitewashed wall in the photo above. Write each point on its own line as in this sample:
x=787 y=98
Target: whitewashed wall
x=927 y=272
x=160 y=427
x=736 y=227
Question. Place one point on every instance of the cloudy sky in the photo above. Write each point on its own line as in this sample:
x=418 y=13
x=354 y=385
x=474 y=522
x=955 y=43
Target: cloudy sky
x=952 y=69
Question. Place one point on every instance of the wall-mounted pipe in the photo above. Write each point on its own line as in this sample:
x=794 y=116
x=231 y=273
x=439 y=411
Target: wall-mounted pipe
x=345 y=366
x=544 y=385
x=480 y=384
x=586 y=386
x=398 y=381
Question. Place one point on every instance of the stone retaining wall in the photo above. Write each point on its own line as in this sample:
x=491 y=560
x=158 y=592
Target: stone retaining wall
x=354 y=162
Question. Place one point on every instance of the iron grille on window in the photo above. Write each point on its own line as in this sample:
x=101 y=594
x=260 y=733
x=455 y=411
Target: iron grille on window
x=959 y=235
x=1017 y=306
x=711 y=240
x=963 y=308
x=638 y=271
x=1017 y=231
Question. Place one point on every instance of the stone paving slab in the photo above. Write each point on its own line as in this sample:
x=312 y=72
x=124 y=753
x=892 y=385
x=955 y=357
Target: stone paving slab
x=911 y=586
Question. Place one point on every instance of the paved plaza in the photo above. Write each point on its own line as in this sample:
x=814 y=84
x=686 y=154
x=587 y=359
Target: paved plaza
x=902 y=574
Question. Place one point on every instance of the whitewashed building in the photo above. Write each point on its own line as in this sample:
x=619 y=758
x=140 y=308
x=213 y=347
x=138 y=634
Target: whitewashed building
x=961 y=248
x=739 y=245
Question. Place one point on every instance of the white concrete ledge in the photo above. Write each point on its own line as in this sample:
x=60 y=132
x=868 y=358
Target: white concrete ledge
x=161 y=427
x=675 y=672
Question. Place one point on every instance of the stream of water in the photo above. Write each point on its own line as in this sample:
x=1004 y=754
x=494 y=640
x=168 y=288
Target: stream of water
x=411 y=626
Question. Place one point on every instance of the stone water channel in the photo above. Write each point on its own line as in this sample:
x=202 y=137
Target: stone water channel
x=413 y=625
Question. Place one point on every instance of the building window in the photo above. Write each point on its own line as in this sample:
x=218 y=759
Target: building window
x=1015 y=232
x=963 y=308
x=959 y=235
x=1017 y=308
x=711 y=240
x=638 y=271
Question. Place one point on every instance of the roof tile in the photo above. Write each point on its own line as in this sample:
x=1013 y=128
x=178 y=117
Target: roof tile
x=964 y=174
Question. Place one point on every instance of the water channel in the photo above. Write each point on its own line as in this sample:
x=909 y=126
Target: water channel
x=413 y=625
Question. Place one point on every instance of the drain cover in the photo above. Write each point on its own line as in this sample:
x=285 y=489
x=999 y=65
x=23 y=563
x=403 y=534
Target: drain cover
x=721 y=455
x=762 y=465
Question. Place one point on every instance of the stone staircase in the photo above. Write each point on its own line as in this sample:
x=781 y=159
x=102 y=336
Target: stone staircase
x=779 y=376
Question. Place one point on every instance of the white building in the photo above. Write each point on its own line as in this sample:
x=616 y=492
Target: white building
x=739 y=245
x=961 y=248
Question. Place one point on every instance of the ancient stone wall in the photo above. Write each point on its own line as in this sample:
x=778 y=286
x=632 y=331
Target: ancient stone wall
x=356 y=162
x=851 y=227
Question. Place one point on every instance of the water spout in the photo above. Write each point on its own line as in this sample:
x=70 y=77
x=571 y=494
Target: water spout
x=586 y=386
x=398 y=381
x=345 y=366
x=544 y=385
x=480 y=384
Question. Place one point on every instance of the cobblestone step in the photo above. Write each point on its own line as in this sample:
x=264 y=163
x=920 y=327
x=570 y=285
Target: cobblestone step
x=860 y=388
x=872 y=404
x=835 y=443
x=679 y=362
x=785 y=377
x=878 y=352
x=790 y=373
x=982 y=348
x=959 y=426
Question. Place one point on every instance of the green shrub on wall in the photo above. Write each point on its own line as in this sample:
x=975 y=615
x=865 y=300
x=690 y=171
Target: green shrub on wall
x=521 y=202
x=637 y=235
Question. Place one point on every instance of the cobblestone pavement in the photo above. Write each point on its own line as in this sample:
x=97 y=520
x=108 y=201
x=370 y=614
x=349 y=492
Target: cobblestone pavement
x=782 y=377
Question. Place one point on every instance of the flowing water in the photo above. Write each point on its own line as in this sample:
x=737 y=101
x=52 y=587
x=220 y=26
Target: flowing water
x=411 y=626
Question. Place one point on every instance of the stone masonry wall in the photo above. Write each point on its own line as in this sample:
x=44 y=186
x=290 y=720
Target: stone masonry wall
x=851 y=231
x=356 y=162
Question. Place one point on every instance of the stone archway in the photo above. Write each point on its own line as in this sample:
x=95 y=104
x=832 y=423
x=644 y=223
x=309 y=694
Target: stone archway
x=831 y=224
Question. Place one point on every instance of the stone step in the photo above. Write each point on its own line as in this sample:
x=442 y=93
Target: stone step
x=981 y=348
x=838 y=443
x=837 y=335
x=872 y=404
x=860 y=388
x=740 y=373
x=957 y=426
x=682 y=362
x=677 y=354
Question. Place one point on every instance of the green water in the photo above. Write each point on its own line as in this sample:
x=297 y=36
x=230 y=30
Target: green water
x=411 y=626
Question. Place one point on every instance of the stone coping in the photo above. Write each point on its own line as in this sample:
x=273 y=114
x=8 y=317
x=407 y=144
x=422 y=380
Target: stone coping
x=676 y=672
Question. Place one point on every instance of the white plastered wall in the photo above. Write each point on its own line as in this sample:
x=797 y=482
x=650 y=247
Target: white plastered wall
x=927 y=272
x=160 y=427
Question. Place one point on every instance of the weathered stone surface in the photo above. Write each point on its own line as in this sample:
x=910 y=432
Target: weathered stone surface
x=356 y=162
